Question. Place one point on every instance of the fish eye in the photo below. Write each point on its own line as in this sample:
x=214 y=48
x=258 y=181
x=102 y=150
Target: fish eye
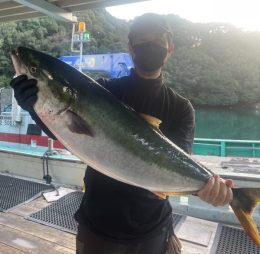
x=33 y=69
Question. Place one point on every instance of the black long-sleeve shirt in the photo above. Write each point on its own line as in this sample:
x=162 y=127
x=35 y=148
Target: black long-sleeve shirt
x=120 y=211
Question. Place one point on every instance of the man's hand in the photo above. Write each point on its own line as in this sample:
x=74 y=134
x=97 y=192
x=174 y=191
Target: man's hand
x=25 y=91
x=217 y=191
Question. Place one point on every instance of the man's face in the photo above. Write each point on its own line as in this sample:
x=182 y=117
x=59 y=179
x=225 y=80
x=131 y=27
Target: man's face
x=150 y=50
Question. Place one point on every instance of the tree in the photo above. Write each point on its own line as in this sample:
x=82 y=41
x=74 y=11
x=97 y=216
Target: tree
x=214 y=64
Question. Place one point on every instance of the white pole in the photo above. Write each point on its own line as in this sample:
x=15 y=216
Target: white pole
x=80 y=52
x=1 y=90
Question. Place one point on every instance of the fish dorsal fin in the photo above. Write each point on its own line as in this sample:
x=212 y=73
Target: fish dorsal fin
x=155 y=122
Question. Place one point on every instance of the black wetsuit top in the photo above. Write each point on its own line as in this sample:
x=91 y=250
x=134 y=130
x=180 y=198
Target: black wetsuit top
x=119 y=211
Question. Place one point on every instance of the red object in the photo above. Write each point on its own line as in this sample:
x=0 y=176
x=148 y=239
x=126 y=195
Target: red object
x=26 y=139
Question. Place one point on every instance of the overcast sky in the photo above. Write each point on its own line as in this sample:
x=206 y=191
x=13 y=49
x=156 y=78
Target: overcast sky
x=241 y=13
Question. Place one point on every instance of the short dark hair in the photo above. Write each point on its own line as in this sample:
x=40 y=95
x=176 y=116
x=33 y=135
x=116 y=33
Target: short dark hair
x=150 y=21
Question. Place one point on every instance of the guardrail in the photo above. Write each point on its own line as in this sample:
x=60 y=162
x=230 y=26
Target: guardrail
x=226 y=147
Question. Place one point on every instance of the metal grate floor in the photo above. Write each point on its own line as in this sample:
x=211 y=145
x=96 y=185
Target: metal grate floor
x=15 y=192
x=60 y=214
x=233 y=241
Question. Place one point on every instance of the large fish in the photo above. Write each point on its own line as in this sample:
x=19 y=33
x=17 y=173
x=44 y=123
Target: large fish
x=112 y=138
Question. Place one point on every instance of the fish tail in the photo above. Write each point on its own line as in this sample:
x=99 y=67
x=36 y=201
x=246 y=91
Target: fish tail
x=243 y=204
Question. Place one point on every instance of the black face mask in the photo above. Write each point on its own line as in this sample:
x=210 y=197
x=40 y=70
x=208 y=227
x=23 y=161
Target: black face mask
x=149 y=56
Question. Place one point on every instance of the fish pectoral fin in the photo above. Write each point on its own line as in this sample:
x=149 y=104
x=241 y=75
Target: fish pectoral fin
x=243 y=204
x=155 y=122
x=78 y=125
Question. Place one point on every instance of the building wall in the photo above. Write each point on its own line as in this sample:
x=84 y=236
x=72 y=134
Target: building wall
x=5 y=97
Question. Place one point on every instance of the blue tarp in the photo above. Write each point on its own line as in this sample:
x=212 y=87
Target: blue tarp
x=117 y=65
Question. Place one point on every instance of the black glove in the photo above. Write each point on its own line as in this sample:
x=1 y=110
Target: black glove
x=25 y=92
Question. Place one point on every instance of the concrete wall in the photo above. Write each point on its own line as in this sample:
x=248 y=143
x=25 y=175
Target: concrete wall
x=65 y=172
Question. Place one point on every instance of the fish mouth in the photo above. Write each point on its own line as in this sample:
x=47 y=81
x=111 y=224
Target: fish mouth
x=19 y=67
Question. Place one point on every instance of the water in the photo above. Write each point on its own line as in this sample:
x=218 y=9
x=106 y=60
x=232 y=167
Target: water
x=227 y=124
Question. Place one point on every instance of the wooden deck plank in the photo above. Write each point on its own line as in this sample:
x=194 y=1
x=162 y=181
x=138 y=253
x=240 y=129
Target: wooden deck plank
x=38 y=230
x=5 y=249
x=31 y=207
x=38 y=203
x=24 y=211
x=18 y=235
x=30 y=244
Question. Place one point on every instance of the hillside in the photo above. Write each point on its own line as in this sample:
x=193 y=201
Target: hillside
x=213 y=64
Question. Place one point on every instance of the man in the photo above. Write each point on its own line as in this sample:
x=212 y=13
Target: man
x=115 y=217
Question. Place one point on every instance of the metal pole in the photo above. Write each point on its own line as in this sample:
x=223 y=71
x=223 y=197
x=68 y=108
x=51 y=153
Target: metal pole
x=80 y=52
x=72 y=39
x=1 y=89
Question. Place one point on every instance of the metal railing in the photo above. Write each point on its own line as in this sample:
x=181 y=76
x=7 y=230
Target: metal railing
x=226 y=147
